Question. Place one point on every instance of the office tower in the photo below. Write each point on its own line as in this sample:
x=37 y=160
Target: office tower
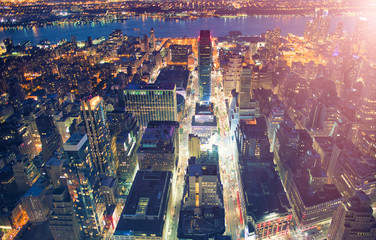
x=252 y=139
x=317 y=29
x=232 y=75
x=360 y=36
x=267 y=211
x=353 y=219
x=83 y=186
x=49 y=135
x=63 y=222
x=8 y=42
x=204 y=186
x=151 y=102
x=202 y=212
x=120 y=120
x=34 y=202
x=179 y=54
x=245 y=87
x=367 y=110
x=159 y=146
x=312 y=208
x=357 y=174
x=273 y=41
x=145 y=45
x=204 y=66
x=143 y=216
x=152 y=40
x=25 y=173
x=17 y=137
x=95 y=122
x=108 y=190
x=261 y=78
x=194 y=146
x=126 y=146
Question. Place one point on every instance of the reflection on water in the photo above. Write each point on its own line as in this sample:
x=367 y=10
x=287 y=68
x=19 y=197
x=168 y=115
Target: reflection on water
x=219 y=27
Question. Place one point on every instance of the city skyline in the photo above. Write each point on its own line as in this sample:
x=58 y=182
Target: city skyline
x=232 y=136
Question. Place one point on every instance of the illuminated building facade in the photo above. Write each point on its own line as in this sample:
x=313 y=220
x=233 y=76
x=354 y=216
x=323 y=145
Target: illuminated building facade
x=194 y=146
x=63 y=222
x=179 y=54
x=25 y=173
x=232 y=74
x=152 y=40
x=353 y=219
x=82 y=185
x=151 y=102
x=159 y=146
x=95 y=122
x=204 y=186
x=126 y=146
x=35 y=204
x=204 y=65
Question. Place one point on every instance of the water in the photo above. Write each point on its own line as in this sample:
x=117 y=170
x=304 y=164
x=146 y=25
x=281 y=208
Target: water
x=138 y=26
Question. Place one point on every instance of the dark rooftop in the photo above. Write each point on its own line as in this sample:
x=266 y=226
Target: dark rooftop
x=147 y=202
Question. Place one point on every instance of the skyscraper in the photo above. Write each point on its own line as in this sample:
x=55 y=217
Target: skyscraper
x=353 y=219
x=159 y=147
x=204 y=65
x=152 y=40
x=231 y=78
x=25 y=173
x=96 y=127
x=245 y=87
x=63 y=222
x=151 y=102
x=83 y=186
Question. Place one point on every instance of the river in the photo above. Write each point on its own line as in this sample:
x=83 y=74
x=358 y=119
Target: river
x=138 y=26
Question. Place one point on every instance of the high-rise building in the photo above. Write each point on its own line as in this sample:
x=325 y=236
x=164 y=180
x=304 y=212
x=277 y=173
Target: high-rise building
x=25 y=173
x=83 y=184
x=204 y=186
x=204 y=65
x=152 y=40
x=126 y=146
x=353 y=219
x=261 y=78
x=159 y=147
x=179 y=54
x=151 y=102
x=17 y=137
x=360 y=37
x=367 y=110
x=143 y=216
x=49 y=135
x=63 y=222
x=245 y=87
x=317 y=29
x=194 y=146
x=95 y=122
x=55 y=171
x=232 y=74
x=34 y=203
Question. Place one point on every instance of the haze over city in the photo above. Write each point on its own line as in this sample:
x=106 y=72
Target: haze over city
x=201 y=120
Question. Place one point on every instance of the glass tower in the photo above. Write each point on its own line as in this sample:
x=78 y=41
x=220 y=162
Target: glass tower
x=204 y=65
x=83 y=183
x=93 y=115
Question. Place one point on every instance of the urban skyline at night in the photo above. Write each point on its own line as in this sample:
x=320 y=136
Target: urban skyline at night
x=166 y=120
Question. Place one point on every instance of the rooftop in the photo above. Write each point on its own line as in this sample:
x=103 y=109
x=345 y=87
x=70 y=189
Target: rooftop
x=147 y=201
x=138 y=86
